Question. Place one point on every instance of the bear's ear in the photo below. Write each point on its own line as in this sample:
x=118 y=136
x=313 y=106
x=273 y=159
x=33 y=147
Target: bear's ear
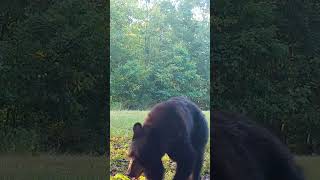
x=137 y=128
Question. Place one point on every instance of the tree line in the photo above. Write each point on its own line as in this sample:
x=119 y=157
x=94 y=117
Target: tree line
x=52 y=72
x=159 y=49
x=266 y=63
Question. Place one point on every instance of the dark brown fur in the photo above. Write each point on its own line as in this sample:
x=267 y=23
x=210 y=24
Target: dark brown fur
x=176 y=127
x=242 y=150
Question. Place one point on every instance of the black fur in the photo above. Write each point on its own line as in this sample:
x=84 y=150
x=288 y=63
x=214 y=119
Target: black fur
x=176 y=127
x=242 y=150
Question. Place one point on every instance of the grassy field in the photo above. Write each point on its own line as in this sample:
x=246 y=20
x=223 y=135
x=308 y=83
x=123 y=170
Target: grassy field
x=52 y=167
x=121 y=132
x=76 y=167
x=310 y=166
x=62 y=167
x=121 y=123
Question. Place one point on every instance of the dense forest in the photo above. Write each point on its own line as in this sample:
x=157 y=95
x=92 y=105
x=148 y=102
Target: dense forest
x=159 y=49
x=265 y=59
x=266 y=63
x=53 y=69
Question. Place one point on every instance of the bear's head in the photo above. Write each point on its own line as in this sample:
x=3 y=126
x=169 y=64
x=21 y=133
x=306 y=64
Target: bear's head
x=135 y=168
x=144 y=152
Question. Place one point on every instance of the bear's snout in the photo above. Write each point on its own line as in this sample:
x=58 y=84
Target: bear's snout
x=134 y=169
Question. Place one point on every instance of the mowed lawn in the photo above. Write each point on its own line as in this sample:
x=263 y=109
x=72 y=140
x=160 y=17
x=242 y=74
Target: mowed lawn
x=121 y=133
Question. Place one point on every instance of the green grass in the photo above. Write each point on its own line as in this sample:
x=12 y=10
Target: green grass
x=121 y=132
x=121 y=123
x=310 y=166
x=62 y=167
x=81 y=167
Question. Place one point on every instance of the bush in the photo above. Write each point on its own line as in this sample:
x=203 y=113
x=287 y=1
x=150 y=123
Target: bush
x=19 y=140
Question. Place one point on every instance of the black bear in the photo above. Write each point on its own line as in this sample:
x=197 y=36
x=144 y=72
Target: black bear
x=242 y=150
x=176 y=127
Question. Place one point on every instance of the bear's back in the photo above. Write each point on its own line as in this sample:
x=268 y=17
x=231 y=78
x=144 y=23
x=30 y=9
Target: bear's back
x=173 y=116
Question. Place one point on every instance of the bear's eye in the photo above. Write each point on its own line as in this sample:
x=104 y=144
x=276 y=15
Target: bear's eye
x=133 y=154
x=130 y=154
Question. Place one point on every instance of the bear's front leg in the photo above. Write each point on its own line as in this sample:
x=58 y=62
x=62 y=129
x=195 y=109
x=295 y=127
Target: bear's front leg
x=185 y=163
x=184 y=170
x=155 y=171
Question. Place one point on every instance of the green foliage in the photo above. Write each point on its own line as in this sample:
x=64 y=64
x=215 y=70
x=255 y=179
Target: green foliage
x=52 y=66
x=267 y=65
x=19 y=141
x=158 y=52
x=119 y=177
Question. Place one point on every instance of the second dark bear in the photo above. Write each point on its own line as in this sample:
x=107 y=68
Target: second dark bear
x=176 y=127
x=242 y=150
